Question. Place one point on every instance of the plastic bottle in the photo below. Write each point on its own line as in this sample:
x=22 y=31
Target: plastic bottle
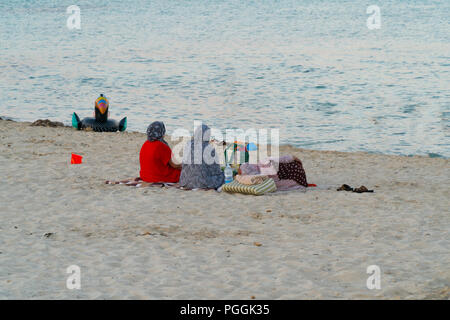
x=228 y=172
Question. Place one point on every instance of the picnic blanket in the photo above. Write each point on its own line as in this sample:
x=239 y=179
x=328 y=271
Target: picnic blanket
x=139 y=183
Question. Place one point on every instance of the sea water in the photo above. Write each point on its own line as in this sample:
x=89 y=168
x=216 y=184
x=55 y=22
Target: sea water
x=319 y=71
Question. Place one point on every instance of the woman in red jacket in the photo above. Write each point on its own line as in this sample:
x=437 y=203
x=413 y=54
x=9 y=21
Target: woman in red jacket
x=156 y=157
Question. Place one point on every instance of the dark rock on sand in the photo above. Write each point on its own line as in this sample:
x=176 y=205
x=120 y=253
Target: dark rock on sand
x=48 y=234
x=47 y=123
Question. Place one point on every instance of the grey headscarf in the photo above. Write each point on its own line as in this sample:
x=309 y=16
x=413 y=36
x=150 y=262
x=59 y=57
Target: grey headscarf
x=200 y=166
x=156 y=131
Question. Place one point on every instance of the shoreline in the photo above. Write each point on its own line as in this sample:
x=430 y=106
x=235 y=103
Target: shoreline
x=165 y=243
x=287 y=145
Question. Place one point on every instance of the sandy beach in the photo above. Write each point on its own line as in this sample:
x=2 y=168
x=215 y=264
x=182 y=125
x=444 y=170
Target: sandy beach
x=166 y=243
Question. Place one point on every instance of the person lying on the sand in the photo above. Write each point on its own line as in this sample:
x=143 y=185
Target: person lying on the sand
x=156 y=157
x=200 y=169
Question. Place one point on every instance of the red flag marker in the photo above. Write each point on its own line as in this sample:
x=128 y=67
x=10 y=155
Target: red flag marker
x=76 y=159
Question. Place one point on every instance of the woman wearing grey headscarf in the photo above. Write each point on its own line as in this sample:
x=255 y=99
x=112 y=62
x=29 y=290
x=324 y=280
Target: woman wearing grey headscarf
x=156 y=131
x=155 y=157
x=200 y=166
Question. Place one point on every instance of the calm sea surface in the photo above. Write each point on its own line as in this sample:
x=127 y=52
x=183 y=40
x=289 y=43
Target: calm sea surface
x=313 y=69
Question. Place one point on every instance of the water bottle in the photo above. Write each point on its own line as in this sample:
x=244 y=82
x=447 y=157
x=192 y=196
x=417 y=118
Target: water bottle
x=228 y=172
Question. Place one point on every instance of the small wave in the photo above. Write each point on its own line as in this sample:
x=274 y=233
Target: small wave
x=435 y=155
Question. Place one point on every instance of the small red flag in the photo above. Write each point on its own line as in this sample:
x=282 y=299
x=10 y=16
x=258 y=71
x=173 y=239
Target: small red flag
x=76 y=159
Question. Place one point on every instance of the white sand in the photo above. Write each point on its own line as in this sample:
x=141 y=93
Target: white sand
x=200 y=244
